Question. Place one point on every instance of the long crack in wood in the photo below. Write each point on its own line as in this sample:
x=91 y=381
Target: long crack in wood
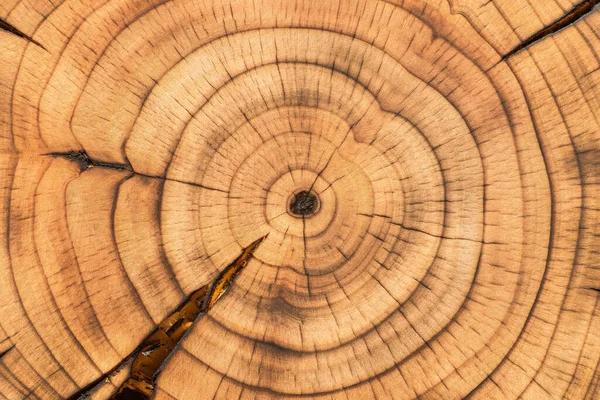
x=151 y=354
x=85 y=162
x=5 y=26
x=578 y=12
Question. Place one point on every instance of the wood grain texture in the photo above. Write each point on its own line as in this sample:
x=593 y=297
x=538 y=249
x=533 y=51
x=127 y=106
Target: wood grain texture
x=453 y=147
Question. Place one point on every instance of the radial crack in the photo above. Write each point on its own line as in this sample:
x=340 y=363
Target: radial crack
x=5 y=26
x=578 y=12
x=2 y=354
x=222 y=283
x=151 y=354
x=85 y=162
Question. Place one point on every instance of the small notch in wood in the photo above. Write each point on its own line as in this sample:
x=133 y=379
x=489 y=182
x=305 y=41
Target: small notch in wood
x=2 y=354
x=5 y=26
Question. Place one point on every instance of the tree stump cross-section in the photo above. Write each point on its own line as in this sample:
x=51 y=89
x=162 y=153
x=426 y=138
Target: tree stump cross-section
x=345 y=199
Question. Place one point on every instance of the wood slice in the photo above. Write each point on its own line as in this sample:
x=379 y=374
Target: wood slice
x=427 y=173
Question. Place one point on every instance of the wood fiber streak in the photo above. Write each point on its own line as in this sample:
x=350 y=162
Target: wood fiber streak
x=424 y=176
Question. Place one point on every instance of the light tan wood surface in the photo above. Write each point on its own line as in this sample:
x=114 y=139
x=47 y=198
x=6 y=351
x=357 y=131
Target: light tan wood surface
x=449 y=246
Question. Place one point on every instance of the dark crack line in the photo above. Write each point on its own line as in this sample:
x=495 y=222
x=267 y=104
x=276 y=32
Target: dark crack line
x=304 y=241
x=5 y=26
x=223 y=282
x=85 y=162
x=89 y=389
x=578 y=12
x=146 y=361
x=6 y=351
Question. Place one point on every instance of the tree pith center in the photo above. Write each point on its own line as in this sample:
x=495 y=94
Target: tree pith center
x=304 y=204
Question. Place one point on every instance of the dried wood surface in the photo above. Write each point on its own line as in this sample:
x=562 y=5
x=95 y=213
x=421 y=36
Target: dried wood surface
x=427 y=173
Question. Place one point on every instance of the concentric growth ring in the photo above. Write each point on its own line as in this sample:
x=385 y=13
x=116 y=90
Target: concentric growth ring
x=415 y=204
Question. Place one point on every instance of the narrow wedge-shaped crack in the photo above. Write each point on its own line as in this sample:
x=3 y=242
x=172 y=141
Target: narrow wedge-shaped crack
x=2 y=354
x=223 y=282
x=155 y=349
x=85 y=162
x=578 y=12
x=151 y=354
x=5 y=26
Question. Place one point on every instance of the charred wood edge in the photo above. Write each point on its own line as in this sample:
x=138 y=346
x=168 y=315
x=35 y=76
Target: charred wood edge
x=5 y=26
x=217 y=289
x=579 y=11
